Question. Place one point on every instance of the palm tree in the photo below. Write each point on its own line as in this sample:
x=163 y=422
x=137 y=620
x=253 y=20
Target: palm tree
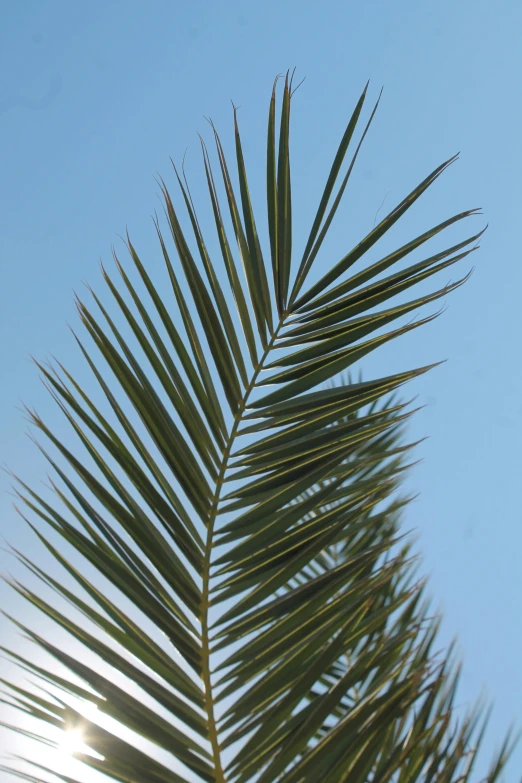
x=276 y=631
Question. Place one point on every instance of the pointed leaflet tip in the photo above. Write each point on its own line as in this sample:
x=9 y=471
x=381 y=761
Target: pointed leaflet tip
x=279 y=76
x=209 y=120
x=293 y=92
x=235 y=108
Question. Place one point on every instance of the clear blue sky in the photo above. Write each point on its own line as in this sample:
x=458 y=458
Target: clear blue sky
x=94 y=97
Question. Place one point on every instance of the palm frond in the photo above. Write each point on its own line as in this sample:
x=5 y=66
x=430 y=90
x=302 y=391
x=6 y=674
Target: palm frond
x=236 y=552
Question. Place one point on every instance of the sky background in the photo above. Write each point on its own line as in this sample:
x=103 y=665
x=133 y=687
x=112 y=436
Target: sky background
x=95 y=97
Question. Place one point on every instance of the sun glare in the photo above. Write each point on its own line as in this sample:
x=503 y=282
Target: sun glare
x=72 y=742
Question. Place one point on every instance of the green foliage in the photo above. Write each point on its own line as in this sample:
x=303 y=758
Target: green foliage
x=256 y=530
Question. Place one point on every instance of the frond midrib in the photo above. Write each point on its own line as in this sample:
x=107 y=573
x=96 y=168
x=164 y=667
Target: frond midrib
x=205 y=597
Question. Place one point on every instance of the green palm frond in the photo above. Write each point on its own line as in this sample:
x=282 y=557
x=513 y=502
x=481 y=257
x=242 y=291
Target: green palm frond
x=276 y=630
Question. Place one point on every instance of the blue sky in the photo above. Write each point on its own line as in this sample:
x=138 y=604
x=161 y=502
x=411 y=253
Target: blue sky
x=94 y=98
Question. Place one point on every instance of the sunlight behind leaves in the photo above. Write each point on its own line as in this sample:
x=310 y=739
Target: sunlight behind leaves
x=72 y=742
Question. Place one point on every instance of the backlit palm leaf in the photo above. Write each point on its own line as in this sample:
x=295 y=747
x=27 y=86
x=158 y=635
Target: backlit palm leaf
x=254 y=528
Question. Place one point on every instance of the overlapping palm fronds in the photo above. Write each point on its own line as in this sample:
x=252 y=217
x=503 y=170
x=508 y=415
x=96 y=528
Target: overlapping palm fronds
x=254 y=529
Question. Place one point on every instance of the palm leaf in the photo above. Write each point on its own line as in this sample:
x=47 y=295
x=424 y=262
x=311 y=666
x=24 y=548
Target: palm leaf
x=271 y=627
